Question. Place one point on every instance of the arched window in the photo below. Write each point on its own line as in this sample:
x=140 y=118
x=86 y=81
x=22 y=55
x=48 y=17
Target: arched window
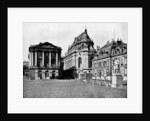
x=122 y=50
x=116 y=52
x=90 y=63
x=79 y=62
x=40 y=74
x=46 y=74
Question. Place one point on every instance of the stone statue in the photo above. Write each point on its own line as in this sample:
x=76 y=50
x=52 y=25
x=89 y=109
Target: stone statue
x=98 y=48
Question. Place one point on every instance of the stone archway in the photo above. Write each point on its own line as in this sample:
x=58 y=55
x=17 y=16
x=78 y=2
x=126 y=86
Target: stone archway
x=47 y=74
x=39 y=74
x=53 y=75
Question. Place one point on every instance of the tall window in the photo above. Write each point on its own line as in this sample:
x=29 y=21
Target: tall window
x=46 y=74
x=40 y=74
x=53 y=59
x=79 y=62
x=39 y=59
x=46 y=59
x=122 y=50
x=90 y=63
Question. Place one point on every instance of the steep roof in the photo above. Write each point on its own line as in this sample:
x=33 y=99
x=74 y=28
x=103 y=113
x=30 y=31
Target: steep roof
x=107 y=49
x=83 y=37
x=107 y=45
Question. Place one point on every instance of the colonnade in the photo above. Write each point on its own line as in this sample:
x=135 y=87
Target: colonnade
x=33 y=59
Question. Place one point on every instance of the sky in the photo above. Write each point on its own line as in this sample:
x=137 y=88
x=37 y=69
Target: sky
x=63 y=34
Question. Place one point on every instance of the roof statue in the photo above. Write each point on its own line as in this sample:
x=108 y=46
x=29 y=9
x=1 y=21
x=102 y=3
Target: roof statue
x=98 y=48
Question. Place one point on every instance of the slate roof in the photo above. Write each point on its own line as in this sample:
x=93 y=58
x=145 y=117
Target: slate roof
x=83 y=37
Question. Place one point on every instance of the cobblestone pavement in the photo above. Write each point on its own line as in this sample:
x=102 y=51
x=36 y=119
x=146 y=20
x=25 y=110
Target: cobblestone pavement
x=69 y=89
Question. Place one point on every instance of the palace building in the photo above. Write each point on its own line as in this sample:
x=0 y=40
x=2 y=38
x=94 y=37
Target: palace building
x=44 y=61
x=110 y=63
x=78 y=58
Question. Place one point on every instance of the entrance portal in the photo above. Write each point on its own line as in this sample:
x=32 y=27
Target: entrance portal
x=53 y=74
x=40 y=74
x=46 y=75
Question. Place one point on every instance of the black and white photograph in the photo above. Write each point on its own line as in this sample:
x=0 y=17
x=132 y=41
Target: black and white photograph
x=75 y=60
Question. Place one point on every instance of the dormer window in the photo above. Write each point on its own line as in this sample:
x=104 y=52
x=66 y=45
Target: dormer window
x=116 y=52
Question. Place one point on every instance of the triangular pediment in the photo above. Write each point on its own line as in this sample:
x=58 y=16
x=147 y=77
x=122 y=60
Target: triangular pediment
x=46 y=45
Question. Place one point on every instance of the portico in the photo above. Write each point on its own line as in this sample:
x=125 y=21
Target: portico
x=43 y=60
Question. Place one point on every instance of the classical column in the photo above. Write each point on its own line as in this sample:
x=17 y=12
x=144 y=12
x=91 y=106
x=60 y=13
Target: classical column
x=42 y=58
x=56 y=59
x=36 y=74
x=49 y=59
x=35 y=59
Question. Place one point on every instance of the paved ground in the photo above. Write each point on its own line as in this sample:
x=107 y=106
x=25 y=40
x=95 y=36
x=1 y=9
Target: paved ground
x=69 y=89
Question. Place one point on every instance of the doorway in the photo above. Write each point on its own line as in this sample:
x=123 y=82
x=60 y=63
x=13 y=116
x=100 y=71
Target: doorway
x=53 y=74
x=40 y=74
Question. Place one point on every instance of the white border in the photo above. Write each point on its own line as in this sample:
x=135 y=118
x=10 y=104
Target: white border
x=18 y=104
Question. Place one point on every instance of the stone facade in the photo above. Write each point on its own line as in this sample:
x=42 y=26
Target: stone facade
x=80 y=54
x=44 y=61
x=110 y=63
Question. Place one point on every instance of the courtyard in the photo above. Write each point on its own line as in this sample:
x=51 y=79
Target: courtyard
x=69 y=89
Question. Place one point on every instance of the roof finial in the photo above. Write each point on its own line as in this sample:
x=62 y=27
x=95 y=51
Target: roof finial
x=85 y=30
